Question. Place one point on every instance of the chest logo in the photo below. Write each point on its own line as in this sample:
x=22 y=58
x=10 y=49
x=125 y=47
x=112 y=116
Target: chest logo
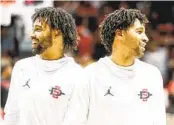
x=109 y=92
x=27 y=84
x=56 y=92
x=144 y=95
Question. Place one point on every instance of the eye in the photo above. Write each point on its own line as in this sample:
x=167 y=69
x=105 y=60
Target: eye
x=139 y=32
x=38 y=29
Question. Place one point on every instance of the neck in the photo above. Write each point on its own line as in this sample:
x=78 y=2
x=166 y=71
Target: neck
x=122 y=56
x=52 y=53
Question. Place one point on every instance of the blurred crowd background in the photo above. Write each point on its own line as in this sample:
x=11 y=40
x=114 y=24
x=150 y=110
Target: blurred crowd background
x=16 y=44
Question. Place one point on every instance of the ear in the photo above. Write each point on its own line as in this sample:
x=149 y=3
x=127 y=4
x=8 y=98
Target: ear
x=57 y=32
x=118 y=33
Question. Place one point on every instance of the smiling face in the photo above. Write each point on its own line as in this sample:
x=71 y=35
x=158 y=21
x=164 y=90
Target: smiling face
x=41 y=36
x=135 y=39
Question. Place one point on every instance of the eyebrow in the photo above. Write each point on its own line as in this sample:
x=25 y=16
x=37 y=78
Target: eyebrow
x=140 y=28
x=37 y=26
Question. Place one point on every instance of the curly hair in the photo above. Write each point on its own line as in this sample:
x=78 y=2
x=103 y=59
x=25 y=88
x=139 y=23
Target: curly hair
x=119 y=19
x=58 y=18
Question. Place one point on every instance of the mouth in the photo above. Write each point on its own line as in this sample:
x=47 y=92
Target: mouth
x=142 y=48
x=34 y=44
x=143 y=44
x=34 y=41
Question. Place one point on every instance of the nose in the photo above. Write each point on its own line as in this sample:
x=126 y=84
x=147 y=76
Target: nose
x=145 y=38
x=32 y=35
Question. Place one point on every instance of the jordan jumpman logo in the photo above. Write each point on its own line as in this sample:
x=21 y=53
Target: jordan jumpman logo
x=26 y=84
x=109 y=92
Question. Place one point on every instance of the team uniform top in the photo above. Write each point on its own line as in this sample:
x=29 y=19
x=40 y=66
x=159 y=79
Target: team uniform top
x=118 y=95
x=40 y=91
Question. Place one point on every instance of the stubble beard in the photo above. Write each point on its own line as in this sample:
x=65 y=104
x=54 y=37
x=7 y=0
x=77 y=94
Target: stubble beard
x=139 y=53
x=40 y=49
x=37 y=50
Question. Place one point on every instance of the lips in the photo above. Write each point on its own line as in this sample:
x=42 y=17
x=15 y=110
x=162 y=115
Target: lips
x=142 y=44
x=143 y=49
x=34 y=44
x=34 y=41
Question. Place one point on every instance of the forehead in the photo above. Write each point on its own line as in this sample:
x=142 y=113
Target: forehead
x=40 y=22
x=137 y=24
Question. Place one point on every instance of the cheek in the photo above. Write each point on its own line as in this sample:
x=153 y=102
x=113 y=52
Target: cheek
x=38 y=35
x=134 y=41
x=46 y=40
x=42 y=37
x=46 y=35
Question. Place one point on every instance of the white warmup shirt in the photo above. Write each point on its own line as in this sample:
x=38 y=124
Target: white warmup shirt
x=40 y=91
x=118 y=95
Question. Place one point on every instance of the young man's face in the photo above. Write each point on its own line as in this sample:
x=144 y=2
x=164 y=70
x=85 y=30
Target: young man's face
x=40 y=36
x=135 y=38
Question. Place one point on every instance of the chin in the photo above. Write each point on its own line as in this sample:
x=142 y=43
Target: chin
x=36 y=51
x=140 y=54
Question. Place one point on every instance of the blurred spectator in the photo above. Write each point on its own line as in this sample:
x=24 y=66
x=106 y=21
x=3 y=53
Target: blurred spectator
x=1 y=117
x=124 y=4
x=6 y=70
x=170 y=89
x=158 y=56
x=85 y=47
x=7 y=39
x=6 y=58
x=69 y=6
x=12 y=35
x=170 y=108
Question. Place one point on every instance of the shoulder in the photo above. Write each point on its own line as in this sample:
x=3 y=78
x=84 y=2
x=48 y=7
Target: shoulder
x=22 y=63
x=77 y=76
x=73 y=71
x=92 y=67
x=77 y=67
x=148 y=68
x=74 y=68
x=25 y=61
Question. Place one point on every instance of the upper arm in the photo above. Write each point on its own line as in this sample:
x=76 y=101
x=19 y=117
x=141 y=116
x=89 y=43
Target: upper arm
x=77 y=111
x=160 y=118
x=11 y=106
x=12 y=88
